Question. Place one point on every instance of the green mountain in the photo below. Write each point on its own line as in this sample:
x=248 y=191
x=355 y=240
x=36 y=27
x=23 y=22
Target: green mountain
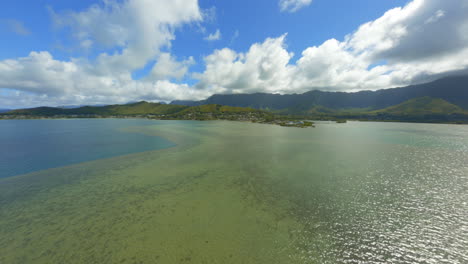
x=152 y=110
x=383 y=105
x=217 y=109
x=451 y=89
x=423 y=110
x=423 y=106
x=140 y=108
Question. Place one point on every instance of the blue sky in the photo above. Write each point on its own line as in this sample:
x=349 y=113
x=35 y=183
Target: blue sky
x=83 y=52
x=253 y=20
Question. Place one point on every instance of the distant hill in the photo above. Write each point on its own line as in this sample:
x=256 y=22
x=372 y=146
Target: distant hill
x=186 y=102
x=4 y=110
x=423 y=109
x=78 y=106
x=214 y=108
x=424 y=106
x=452 y=89
x=154 y=110
x=444 y=101
x=140 y=108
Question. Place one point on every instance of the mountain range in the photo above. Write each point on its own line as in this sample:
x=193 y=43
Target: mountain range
x=441 y=101
x=451 y=89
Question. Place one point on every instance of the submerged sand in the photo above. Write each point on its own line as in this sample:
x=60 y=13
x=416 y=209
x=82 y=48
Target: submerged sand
x=227 y=193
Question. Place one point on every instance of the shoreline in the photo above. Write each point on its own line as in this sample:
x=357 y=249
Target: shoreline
x=302 y=123
x=275 y=122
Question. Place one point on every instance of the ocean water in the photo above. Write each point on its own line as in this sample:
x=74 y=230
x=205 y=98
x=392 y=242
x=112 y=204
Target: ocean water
x=32 y=145
x=231 y=192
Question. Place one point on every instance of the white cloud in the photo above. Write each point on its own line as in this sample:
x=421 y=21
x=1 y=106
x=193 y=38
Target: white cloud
x=263 y=68
x=167 y=67
x=418 y=42
x=57 y=82
x=214 y=36
x=293 y=5
x=136 y=29
x=405 y=49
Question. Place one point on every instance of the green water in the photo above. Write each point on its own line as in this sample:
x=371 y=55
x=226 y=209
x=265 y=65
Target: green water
x=233 y=192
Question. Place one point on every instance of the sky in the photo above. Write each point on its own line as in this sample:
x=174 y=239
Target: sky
x=88 y=52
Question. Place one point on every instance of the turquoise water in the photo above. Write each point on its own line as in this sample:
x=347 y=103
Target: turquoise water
x=232 y=192
x=32 y=145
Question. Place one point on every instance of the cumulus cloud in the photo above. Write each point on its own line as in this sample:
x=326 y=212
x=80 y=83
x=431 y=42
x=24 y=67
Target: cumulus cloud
x=263 y=68
x=293 y=5
x=424 y=40
x=135 y=31
x=214 y=36
x=416 y=43
x=138 y=28
x=420 y=30
x=75 y=81
x=167 y=67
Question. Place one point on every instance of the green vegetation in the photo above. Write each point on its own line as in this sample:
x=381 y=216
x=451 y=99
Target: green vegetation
x=452 y=89
x=423 y=106
x=423 y=109
x=440 y=101
x=157 y=111
x=220 y=112
x=140 y=108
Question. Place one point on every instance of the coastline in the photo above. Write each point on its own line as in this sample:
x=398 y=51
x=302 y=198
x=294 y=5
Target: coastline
x=302 y=123
x=275 y=122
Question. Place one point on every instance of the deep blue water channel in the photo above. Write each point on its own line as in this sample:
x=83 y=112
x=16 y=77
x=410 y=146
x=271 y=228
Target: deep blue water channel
x=32 y=145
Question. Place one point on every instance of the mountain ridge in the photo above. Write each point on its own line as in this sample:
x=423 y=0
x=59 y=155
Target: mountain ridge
x=444 y=100
x=133 y=109
x=421 y=109
x=452 y=89
x=423 y=106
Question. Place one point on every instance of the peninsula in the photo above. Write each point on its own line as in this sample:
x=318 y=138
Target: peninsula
x=161 y=111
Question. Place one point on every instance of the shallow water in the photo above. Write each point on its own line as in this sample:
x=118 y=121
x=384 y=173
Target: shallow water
x=32 y=145
x=233 y=192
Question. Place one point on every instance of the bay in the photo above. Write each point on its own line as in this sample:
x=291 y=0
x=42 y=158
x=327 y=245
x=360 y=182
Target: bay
x=31 y=145
x=232 y=192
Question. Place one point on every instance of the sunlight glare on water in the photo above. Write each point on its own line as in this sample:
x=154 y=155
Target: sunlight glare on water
x=233 y=192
